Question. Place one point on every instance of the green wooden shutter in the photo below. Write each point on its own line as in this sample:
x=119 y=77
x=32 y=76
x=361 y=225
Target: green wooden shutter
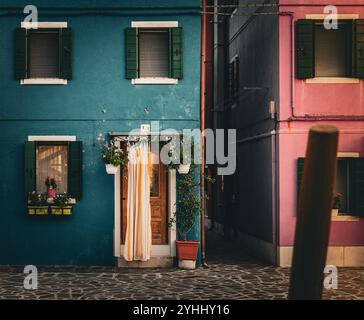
x=356 y=187
x=305 y=49
x=29 y=167
x=300 y=164
x=75 y=152
x=176 y=53
x=66 y=53
x=131 y=45
x=358 y=48
x=20 y=53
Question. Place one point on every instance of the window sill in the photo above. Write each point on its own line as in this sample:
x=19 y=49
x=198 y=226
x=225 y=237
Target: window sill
x=154 y=81
x=344 y=218
x=332 y=80
x=43 y=81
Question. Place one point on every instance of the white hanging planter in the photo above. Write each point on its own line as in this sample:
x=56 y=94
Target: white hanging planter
x=184 y=168
x=111 y=169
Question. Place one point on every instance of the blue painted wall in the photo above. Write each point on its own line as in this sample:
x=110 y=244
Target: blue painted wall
x=98 y=100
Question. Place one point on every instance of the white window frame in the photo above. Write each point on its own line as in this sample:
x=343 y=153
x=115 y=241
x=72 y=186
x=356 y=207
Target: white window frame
x=54 y=139
x=333 y=80
x=42 y=25
x=154 y=24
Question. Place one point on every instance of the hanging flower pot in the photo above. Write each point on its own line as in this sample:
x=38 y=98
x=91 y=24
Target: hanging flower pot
x=113 y=156
x=184 y=168
x=111 y=169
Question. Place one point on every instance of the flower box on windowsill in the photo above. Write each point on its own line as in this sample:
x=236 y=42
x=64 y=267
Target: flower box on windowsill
x=61 y=211
x=52 y=210
x=38 y=210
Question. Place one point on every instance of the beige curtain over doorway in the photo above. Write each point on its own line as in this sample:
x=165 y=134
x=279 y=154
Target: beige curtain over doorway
x=138 y=240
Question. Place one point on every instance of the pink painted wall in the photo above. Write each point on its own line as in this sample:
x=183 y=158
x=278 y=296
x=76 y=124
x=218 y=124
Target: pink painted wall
x=314 y=100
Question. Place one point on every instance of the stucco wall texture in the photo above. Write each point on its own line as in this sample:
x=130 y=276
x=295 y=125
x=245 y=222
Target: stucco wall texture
x=97 y=100
x=314 y=100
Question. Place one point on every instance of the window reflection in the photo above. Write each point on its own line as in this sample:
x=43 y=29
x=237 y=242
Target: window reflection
x=52 y=163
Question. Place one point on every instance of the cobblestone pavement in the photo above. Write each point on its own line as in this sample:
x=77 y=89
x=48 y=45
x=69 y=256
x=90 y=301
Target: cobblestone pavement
x=239 y=277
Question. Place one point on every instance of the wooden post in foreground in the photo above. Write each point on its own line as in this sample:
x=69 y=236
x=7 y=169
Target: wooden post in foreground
x=314 y=214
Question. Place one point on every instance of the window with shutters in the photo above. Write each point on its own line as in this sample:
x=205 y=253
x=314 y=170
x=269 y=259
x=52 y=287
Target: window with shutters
x=333 y=56
x=329 y=53
x=154 y=52
x=43 y=55
x=349 y=184
x=58 y=160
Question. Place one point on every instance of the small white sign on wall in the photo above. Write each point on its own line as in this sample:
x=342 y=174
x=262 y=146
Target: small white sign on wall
x=145 y=129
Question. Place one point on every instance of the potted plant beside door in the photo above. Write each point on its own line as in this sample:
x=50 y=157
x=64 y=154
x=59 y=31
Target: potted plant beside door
x=185 y=218
x=113 y=157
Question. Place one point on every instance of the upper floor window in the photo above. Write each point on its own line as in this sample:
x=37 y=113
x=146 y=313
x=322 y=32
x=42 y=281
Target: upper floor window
x=331 y=53
x=43 y=55
x=154 y=52
x=333 y=50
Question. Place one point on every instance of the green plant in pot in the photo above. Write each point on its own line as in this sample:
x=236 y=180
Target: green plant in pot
x=186 y=216
x=113 y=156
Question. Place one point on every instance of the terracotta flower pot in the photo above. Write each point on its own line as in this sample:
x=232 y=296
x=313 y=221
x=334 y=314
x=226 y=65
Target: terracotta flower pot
x=187 y=253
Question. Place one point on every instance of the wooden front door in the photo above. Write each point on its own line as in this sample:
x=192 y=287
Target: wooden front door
x=158 y=203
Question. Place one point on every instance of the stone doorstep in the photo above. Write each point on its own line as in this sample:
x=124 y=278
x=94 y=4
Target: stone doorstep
x=154 y=262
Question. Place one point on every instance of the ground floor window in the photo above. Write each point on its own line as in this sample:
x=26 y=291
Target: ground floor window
x=52 y=162
x=349 y=184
